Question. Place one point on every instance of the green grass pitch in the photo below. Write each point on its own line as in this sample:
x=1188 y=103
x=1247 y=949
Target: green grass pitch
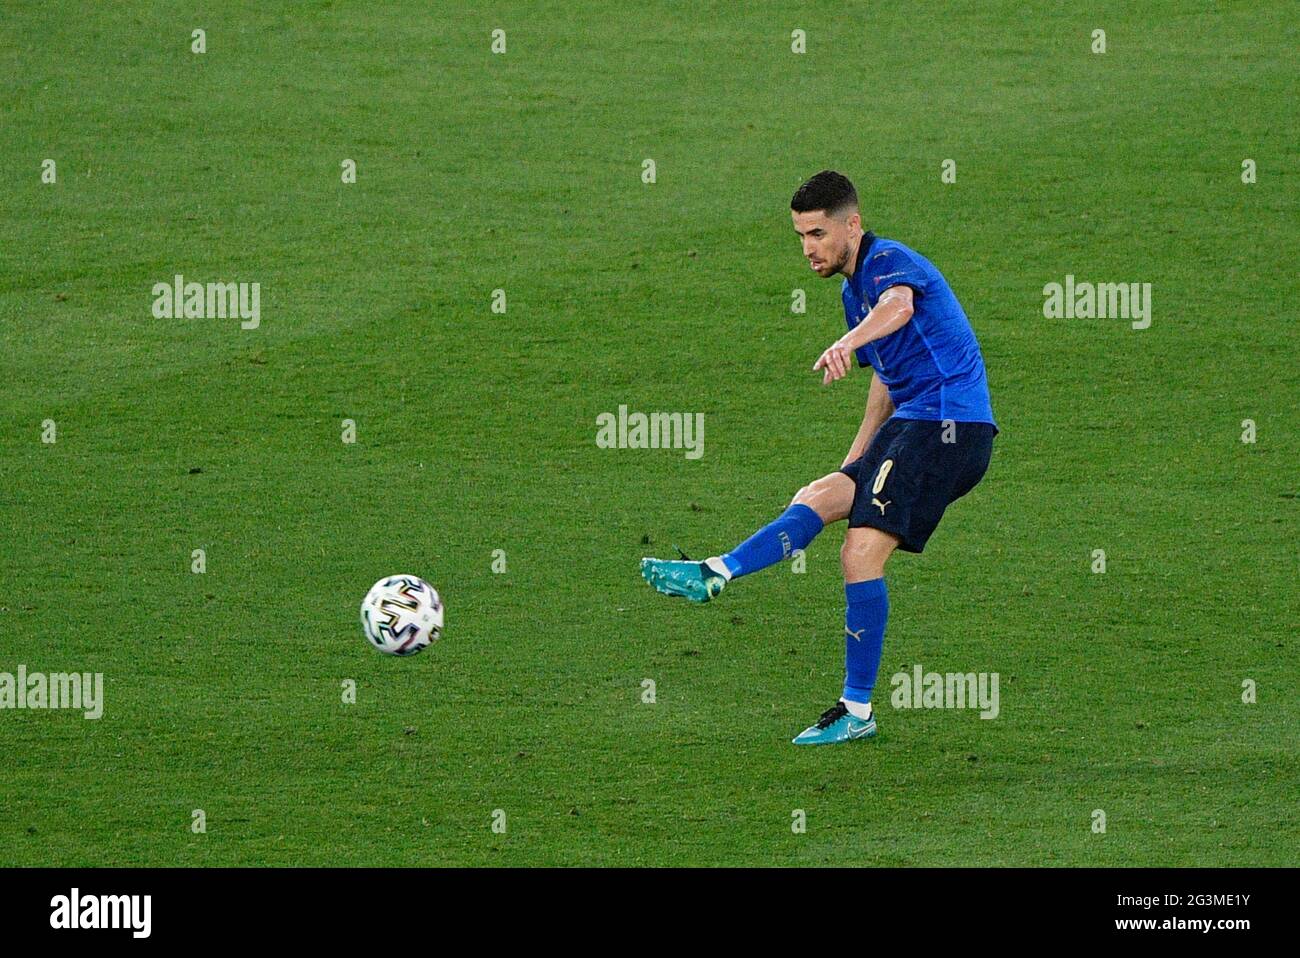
x=475 y=432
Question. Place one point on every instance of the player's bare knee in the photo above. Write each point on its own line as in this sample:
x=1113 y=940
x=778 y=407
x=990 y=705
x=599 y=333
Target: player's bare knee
x=852 y=557
x=813 y=496
x=830 y=497
x=864 y=554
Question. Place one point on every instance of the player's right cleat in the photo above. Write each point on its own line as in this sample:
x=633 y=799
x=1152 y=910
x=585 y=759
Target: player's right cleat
x=694 y=580
x=837 y=724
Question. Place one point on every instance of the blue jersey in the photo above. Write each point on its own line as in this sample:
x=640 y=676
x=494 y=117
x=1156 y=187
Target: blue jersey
x=932 y=365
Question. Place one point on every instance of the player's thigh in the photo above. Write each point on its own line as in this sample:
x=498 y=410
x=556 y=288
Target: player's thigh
x=865 y=552
x=831 y=496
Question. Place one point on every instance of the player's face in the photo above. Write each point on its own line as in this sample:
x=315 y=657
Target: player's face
x=827 y=241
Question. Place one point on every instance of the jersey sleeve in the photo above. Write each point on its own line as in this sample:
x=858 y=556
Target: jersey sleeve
x=893 y=267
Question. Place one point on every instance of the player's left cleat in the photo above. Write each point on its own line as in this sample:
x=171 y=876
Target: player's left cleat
x=694 y=580
x=837 y=725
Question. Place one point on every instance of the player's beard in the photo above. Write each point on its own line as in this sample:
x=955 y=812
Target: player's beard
x=842 y=261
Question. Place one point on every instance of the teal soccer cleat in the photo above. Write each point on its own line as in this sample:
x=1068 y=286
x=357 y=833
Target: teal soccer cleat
x=837 y=725
x=694 y=580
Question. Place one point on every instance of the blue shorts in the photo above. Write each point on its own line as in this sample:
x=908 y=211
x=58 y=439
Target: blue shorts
x=909 y=475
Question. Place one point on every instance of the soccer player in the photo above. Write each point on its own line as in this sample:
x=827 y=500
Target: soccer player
x=925 y=439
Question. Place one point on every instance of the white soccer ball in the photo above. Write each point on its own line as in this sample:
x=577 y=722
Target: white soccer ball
x=401 y=615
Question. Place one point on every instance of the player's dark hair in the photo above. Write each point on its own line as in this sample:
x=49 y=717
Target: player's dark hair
x=829 y=191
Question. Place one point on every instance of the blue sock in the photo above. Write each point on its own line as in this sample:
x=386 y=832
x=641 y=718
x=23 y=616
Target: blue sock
x=792 y=529
x=864 y=636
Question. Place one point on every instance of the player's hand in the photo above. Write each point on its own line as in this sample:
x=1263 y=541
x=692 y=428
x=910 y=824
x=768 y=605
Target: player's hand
x=834 y=363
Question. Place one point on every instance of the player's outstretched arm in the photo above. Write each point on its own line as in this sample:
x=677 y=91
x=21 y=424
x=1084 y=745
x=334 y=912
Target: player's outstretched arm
x=893 y=310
